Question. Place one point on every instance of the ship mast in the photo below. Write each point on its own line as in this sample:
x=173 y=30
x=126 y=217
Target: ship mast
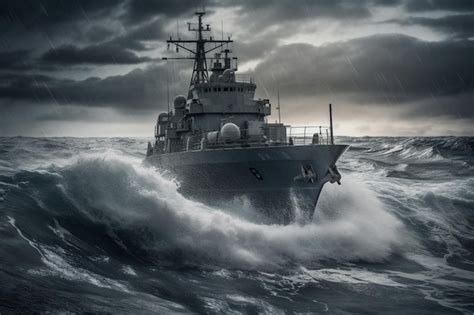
x=200 y=73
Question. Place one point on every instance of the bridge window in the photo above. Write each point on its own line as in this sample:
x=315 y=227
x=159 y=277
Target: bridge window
x=225 y=89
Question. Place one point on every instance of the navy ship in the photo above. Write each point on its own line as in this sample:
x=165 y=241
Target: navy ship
x=218 y=144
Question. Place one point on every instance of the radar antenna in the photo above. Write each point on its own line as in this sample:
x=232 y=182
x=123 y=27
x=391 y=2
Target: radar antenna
x=200 y=73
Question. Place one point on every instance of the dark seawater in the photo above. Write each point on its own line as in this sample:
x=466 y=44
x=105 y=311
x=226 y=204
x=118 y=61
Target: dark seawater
x=85 y=227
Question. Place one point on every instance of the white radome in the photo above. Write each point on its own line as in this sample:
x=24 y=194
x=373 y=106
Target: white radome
x=230 y=132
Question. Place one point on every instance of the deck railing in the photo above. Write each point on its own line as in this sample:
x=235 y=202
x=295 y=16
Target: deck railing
x=295 y=135
x=243 y=78
x=303 y=135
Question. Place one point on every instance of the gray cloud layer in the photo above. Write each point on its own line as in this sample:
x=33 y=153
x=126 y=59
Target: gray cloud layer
x=383 y=69
x=48 y=38
x=139 y=89
x=377 y=70
x=456 y=25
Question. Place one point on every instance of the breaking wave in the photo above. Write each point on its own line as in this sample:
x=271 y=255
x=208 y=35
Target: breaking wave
x=129 y=199
x=86 y=222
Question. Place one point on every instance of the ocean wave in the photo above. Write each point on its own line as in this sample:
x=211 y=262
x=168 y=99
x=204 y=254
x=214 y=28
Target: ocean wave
x=416 y=148
x=442 y=158
x=87 y=220
x=118 y=191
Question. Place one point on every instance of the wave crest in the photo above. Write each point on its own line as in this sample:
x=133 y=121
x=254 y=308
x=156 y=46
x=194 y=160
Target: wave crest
x=349 y=224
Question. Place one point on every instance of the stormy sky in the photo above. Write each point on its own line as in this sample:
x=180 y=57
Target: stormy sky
x=94 y=68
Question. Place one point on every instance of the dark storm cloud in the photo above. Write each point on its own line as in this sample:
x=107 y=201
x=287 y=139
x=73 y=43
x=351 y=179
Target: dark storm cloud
x=98 y=33
x=118 y=50
x=78 y=32
x=291 y=10
x=51 y=13
x=457 y=106
x=96 y=54
x=283 y=10
x=140 y=10
x=382 y=70
x=435 y=5
x=456 y=25
x=269 y=21
x=265 y=13
x=257 y=16
x=13 y=59
x=136 y=90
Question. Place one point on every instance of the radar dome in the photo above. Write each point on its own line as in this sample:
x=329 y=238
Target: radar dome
x=230 y=132
x=180 y=102
x=228 y=75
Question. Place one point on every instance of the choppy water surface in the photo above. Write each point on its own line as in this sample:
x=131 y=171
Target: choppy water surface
x=84 y=226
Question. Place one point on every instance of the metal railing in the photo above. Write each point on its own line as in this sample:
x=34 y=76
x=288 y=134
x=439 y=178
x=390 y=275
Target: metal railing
x=296 y=135
x=303 y=135
x=243 y=78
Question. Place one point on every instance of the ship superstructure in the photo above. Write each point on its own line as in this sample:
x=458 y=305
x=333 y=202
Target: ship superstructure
x=219 y=145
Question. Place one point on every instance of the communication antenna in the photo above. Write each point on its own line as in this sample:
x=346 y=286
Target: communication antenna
x=278 y=108
x=197 y=48
x=330 y=123
x=168 y=90
x=177 y=29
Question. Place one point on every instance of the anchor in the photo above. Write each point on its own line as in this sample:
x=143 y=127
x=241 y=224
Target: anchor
x=333 y=175
x=307 y=174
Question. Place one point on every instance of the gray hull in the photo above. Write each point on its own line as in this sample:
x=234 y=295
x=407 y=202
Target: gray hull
x=273 y=179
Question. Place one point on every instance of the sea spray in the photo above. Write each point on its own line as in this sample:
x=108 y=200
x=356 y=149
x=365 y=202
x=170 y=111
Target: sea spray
x=351 y=226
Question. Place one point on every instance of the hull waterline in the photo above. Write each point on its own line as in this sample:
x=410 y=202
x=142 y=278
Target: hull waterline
x=281 y=182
